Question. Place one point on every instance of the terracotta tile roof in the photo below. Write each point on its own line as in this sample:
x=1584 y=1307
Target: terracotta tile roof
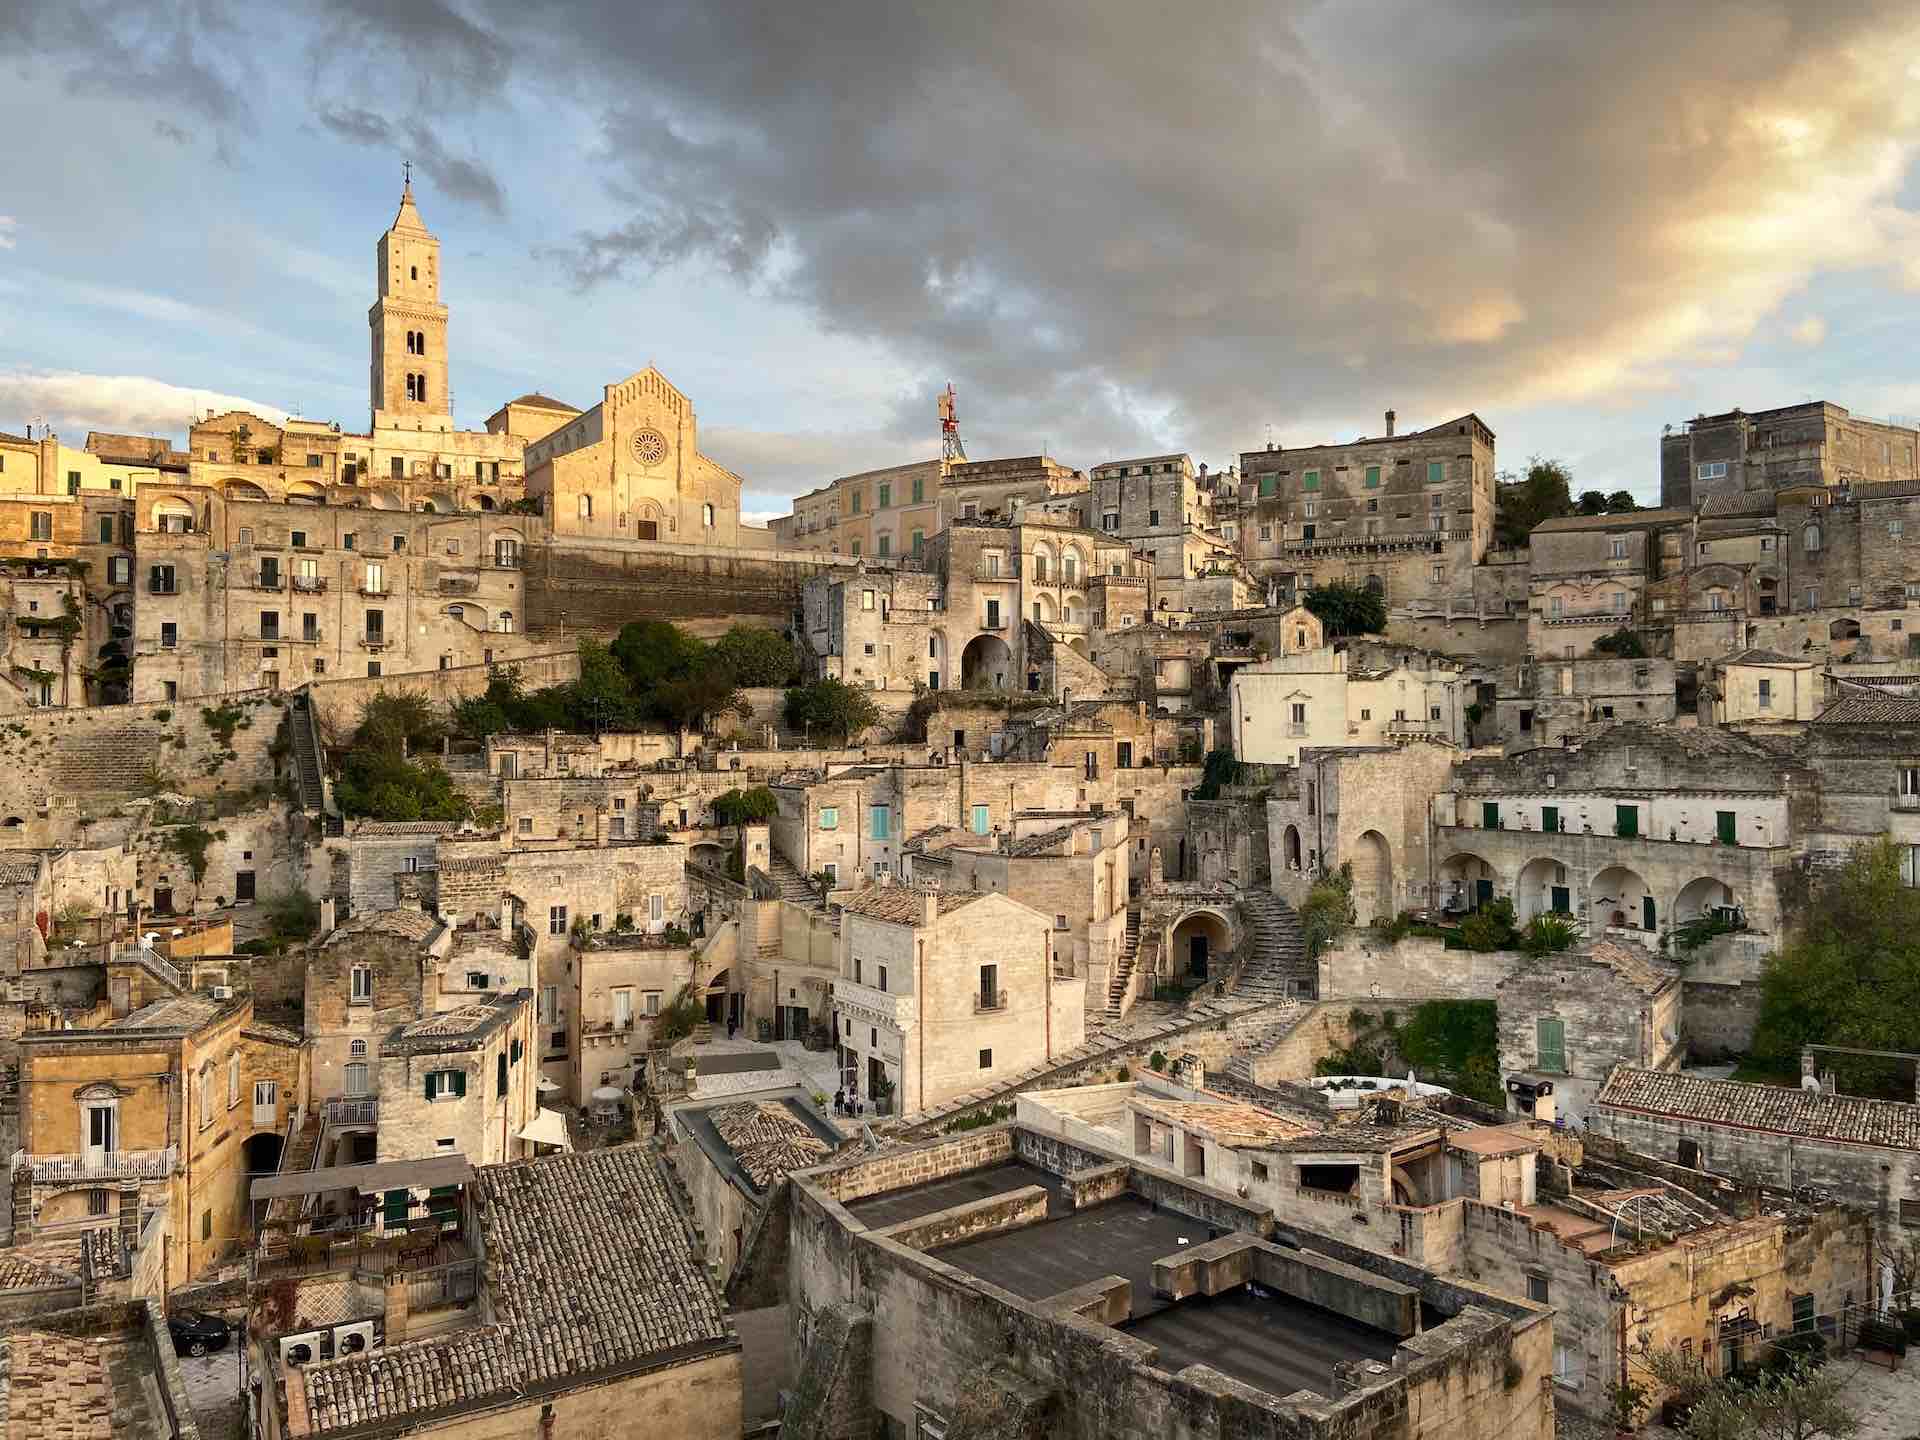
x=905 y=905
x=768 y=1140
x=1871 y=710
x=56 y=1387
x=375 y=829
x=273 y=1034
x=177 y=1012
x=1753 y=502
x=459 y=1029
x=591 y=1270
x=534 y=400
x=20 y=1270
x=408 y=923
x=1764 y=657
x=17 y=873
x=1634 y=965
x=1854 y=1119
x=1041 y=843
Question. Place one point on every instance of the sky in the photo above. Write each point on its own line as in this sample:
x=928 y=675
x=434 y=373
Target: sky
x=1117 y=227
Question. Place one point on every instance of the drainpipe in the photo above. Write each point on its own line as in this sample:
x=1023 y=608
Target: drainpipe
x=920 y=1018
x=1046 y=986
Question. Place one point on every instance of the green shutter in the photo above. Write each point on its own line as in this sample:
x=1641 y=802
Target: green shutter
x=919 y=490
x=394 y=1208
x=1311 y=481
x=886 y=496
x=1550 y=819
x=1552 y=1044
x=429 y=1084
x=459 y=1082
x=1626 y=821
x=1436 y=471
x=1490 y=814
x=1723 y=826
x=1269 y=484
x=1373 y=477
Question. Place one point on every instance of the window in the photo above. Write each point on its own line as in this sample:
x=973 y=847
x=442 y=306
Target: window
x=556 y=920
x=1712 y=470
x=446 y=1084
x=160 y=580
x=1373 y=508
x=866 y=599
x=586 y=507
x=1266 y=533
x=980 y=819
x=356 y=1073
x=376 y=578
x=829 y=817
x=1269 y=485
x=43 y=525
x=1312 y=510
x=1550 y=1045
x=1110 y=520
x=919 y=537
x=1373 y=477
x=206 y=1095
x=882 y=822
x=1618 y=549
x=120 y=570
x=1153 y=517
x=1436 y=471
x=706 y=516
x=500 y=1074
x=1810 y=539
x=1766 y=694
x=1299 y=712
x=549 y=1003
x=986 y=1059
x=361 y=979
x=233 y=1081
x=1310 y=481
x=1569 y=1367
x=1803 y=1312
x=854 y=548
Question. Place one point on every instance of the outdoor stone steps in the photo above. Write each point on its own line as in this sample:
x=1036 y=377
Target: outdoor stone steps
x=1277 y=964
x=793 y=885
x=1123 y=971
x=306 y=763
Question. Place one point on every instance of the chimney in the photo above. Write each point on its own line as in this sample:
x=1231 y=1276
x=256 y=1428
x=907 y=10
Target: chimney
x=1389 y=424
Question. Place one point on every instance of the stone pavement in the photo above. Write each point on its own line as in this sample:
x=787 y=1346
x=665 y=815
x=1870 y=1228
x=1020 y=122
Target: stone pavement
x=812 y=1070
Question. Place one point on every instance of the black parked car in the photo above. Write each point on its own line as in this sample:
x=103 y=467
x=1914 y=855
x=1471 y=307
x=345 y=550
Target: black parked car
x=195 y=1333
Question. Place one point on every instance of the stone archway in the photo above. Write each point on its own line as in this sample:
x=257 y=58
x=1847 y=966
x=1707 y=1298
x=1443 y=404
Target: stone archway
x=1623 y=900
x=1466 y=883
x=1372 y=862
x=1697 y=897
x=986 y=662
x=1201 y=940
x=1545 y=887
x=1290 y=847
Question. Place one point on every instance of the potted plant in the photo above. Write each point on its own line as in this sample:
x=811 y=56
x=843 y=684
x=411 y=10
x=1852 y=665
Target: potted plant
x=1623 y=1402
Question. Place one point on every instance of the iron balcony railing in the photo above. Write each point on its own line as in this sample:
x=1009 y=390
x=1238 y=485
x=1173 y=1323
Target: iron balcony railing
x=97 y=1165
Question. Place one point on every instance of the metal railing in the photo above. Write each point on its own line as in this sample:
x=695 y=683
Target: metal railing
x=309 y=584
x=453 y=1284
x=984 y=1003
x=350 y=1112
x=270 y=582
x=374 y=642
x=98 y=1165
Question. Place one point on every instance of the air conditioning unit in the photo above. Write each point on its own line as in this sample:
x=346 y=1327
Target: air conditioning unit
x=222 y=992
x=301 y=1349
x=354 y=1339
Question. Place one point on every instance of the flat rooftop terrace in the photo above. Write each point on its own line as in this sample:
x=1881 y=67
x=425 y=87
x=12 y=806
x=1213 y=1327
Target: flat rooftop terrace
x=916 y=1201
x=1273 y=1342
x=1121 y=1237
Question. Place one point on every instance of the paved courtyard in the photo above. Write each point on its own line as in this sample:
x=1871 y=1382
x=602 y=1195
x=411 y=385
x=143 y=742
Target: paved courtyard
x=213 y=1390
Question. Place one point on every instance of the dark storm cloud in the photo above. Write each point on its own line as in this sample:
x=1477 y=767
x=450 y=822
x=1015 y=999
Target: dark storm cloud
x=178 y=54
x=462 y=177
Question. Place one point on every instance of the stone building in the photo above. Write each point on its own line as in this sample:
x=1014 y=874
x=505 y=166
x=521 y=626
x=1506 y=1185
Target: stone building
x=1817 y=443
x=67 y=600
x=1367 y=809
x=1854 y=1151
x=167 y=1105
x=1549 y=700
x=1076 y=869
x=1116 y=1301
x=1762 y=687
x=239 y=595
x=944 y=992
x=372 y=976
x=1637 y=830
x=733 y=1156
x=1566 y=1020
x=1866 y=771
x=1317 y=699
x=1001 y=489
x=532 y=1327
x=1156 y=505
x=620 y=983
x=1408 y=516
x=1591 y=575
x=630 y=468
x=461 y=1082
x=875 y=629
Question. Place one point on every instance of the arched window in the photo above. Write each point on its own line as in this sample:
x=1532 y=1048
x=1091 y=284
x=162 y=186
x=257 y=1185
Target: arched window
x=413 y=392
x=1810 y=539
x=706 y=516
x=421 y=382
x=586 y=507
x=1039 y=564
x=1070 y=567
x=1375 y=585
x=454 y=612
x=419 y=342
x=503 y=622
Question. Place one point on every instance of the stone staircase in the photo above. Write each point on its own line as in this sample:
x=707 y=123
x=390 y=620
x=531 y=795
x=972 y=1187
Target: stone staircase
x=1277 y=966
x=1122 y=982
x=306 y=759
x=793 y=885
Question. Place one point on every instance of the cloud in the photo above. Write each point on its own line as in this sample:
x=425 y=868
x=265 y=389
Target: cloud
x=1018 y=197
x=167 y=130
x=74 y=403
x=8 y=227
x=782 y=464
x=1810 y=331
x=180 y=55
x=462 y=177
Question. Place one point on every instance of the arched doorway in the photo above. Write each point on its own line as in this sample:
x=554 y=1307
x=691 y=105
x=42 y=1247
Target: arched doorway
x=1622 y=900
x=1466 y=883
x=1290 y=847
x=1544 y=888
x=1372 y=879
x=262 y=1153
x=1698 y=897
x=1199 y=943
x=985 y=662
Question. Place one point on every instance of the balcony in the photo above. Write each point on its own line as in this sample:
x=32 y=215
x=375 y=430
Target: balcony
x=162 y=587
x=985 y=1004
x=96 y=1165
x=309 y=585
x=269 y=582
x=352 y=1111
x=374 y=593
x=1909 y=803
x=1413 y=729
x=374 y=642
x=458 y=585
x=315 y=636
x=988 y=572
x=993 y=624
x=863 y=1001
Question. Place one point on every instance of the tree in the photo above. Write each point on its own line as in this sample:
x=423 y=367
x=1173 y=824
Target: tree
x=745 y=807
x=830 y=707
x=1591 y=502
x=1792 y=1401
x=1543 y=493
x=757 y=656
x=1327 y=910
x=1621 y=502
x=1621 y=644
x=653 y=651
x=1344 y=609
x=695 y=702
x=1849 y=976
x=377 y=777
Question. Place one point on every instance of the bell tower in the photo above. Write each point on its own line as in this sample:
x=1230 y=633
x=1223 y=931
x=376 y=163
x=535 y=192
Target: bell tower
x=408 y=375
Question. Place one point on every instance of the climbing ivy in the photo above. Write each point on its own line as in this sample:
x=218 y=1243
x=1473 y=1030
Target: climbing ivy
x=191 y=843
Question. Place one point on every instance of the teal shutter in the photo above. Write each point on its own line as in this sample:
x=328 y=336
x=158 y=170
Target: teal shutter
x=459 y=1082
